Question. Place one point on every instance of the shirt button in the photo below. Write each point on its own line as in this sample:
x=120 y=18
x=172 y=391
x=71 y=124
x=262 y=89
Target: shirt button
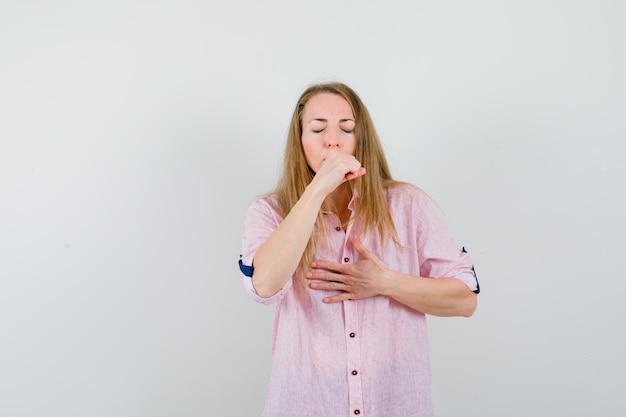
x=346 y=259
x=352 y=335
x=357 y=411
x=354 y=372
x=338 y=228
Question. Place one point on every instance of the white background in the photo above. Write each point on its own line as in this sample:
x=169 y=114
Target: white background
x=134 y=134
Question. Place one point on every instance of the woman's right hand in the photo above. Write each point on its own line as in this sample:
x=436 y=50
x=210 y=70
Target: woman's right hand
x=336 y=169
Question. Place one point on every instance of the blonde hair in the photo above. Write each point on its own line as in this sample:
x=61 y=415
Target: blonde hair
x=296 y=175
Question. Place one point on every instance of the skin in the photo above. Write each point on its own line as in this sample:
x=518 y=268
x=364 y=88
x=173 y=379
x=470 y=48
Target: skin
x=368 y=277
x=329 y=144
x=328 y=149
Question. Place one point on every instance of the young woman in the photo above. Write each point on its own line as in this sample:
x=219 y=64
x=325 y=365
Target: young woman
x=353 y=261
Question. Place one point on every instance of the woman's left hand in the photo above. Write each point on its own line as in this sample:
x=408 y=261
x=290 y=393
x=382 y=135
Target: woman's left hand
x=365 y=278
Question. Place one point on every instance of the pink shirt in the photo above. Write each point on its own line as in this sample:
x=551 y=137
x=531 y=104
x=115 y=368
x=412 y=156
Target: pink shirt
x=364 y=357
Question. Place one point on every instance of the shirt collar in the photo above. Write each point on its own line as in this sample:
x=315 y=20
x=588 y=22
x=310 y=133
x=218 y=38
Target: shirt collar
x=353 y=201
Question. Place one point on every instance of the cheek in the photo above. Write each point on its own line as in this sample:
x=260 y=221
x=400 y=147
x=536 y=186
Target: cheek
x=309 y=155
x=352 y=146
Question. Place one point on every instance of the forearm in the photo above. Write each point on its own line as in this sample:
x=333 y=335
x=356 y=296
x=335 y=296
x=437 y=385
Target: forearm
x=278 y=257
x=447 y=297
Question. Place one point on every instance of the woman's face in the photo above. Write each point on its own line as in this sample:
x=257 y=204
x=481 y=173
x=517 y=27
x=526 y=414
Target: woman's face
x=327 y=124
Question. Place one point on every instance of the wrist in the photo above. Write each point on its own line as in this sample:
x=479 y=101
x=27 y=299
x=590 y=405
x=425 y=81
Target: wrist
x=314 y=194
x=389 y=282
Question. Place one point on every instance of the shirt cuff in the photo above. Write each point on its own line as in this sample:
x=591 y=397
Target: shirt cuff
x=247 y=284
x=469 y=279
x=246 y=275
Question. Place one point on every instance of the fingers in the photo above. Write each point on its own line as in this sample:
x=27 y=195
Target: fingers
x=328 y=286
x=329 y=266
x=363 y=252
x=352 y=165
x=328 y=278
x=336 y=298
x=332 y=286
x=338 y=168
x=326 y=274
x=352 y=175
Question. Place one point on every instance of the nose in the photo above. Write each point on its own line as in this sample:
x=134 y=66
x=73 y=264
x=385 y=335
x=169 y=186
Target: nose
x=332 y=139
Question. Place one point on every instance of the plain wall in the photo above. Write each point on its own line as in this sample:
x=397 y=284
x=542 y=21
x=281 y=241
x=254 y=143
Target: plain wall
x=134 y=134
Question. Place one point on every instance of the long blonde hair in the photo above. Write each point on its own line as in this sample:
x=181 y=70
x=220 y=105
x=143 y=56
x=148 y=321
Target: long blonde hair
x=296 y=175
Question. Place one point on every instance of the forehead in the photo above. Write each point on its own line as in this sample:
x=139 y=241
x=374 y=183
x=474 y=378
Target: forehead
x=327 y=106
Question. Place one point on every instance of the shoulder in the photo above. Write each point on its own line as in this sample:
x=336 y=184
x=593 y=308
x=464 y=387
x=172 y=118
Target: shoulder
x=404 y=192
x=266 y=200
x=409 y=200
x=264 y=206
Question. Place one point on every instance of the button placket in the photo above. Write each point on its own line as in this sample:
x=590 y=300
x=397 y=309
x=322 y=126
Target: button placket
x=353 y=359
x=353 y=347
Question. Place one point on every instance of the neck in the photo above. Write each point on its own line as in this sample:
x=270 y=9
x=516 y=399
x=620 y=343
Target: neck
x=338 y=201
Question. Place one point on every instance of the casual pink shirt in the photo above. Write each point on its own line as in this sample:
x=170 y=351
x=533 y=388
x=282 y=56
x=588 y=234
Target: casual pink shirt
x=369 y=357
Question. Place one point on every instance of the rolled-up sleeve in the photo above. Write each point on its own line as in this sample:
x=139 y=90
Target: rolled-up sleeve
x=437 y=252
x=261 y=220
